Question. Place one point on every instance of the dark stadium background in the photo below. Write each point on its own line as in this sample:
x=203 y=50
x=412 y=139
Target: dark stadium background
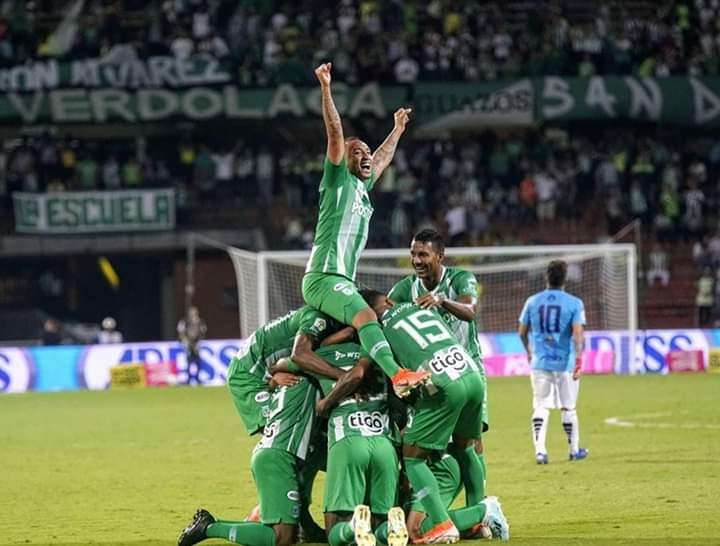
x=605 y=171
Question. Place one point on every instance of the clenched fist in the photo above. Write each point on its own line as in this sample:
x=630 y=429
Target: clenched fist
x=323 y=73
x=402 y=116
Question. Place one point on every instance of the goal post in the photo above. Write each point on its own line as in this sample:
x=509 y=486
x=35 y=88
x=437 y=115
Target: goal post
x=603 y=275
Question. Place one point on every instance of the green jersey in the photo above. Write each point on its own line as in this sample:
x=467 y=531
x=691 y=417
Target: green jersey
x=420 y=339
x=367 y=415
x=291 y=419
x=343 y=221
x=454 y=282
x=274 y=340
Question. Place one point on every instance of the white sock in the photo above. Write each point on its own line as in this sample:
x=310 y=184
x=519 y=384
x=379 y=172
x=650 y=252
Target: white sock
x=571 y=425
x=539 y=429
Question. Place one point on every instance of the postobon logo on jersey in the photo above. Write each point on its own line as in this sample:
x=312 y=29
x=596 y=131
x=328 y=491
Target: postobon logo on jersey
x=453 y=361
x=367 y=423
x=359 y=207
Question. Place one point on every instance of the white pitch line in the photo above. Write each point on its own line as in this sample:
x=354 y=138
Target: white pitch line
x=630 y=422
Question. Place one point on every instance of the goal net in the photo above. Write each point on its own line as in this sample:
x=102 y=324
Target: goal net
x=604 y=276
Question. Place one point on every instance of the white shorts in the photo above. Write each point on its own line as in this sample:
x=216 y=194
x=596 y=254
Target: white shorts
x=554 y=390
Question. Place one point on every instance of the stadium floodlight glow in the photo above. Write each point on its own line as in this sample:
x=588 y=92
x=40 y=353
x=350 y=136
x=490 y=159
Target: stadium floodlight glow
x=603 y=275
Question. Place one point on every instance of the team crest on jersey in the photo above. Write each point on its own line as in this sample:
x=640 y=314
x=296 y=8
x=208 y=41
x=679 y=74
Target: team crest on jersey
x=367 y=423
x=320 y=324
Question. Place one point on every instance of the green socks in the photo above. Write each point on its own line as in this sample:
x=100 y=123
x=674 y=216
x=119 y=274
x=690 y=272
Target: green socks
x=373 y=341
x=341 y=534
x=242 y=532
x=467 y=518
x=315 y=461
x=472 y=471
x=464 y=518
x=425 y=489
x=381 y=533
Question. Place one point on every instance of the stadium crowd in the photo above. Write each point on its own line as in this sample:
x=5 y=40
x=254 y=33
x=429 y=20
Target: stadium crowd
x=276 y=42
x=523 y=178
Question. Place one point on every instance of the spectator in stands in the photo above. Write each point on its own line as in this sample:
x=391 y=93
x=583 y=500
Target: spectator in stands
x=701 y=254
x=191 y=330
x=456 y=219
x=51 y=334
x=109 y=332
x=293 y=238
x=399 y=226
x=669 y=212
x=265 y=173
x=528 y=197
x=705 y=298
x=203 y=178
x=224 y=162
x=111 y=173
x=658 y=266
x=132 y=174
x=546 y=187
x=86 y=173
x=714 y=248
x=694 y=200
x=639 y=207
x=182 y=46
x=68 y=158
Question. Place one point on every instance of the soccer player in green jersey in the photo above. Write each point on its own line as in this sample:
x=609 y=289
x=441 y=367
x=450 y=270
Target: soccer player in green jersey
x=297 y=334
x=451 y=406
x=453 y=292
x=349 y=173
x=362 y=465
x=276 y=464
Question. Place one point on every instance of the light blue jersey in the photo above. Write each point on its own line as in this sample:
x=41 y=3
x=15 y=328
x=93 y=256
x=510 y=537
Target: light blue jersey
x=550 y=316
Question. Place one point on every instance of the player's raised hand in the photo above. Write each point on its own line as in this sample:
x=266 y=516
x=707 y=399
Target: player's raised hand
x=323 y=73
x=402 y=116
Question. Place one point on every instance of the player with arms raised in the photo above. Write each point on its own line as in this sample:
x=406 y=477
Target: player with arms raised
x=555 y=320
x=453 y=293
x=350 y=171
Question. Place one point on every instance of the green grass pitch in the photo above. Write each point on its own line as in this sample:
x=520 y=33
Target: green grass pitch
x=130 y=467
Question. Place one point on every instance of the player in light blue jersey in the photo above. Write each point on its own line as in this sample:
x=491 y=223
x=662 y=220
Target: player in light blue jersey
x=552 y=331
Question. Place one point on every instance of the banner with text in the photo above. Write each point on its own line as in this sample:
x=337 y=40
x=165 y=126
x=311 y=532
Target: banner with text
x=92 y=212
x=442 y=108
x=196 y=102
x=203 y=88
x=72 y=367
x=674 y=100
